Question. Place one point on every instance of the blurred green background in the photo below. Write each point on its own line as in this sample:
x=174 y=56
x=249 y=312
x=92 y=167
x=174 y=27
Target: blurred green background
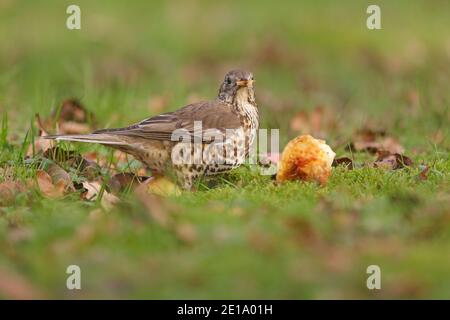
x=303 y=53
x=133 y=59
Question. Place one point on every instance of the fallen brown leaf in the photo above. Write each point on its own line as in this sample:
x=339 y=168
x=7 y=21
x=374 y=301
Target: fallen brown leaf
x=71 y=118
x=73 y=111
x=60 y=176
x=391 y=161
x=344 y=161
x=93 y=190
x=388 y=144
x=89 y=169
x=372 y=141
x=46 y=186
x=392 y=145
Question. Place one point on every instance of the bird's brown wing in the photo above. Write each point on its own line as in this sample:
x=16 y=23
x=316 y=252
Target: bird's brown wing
x=215 y=117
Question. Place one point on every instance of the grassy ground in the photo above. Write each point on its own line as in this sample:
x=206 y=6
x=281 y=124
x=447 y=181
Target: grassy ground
x=246 y=237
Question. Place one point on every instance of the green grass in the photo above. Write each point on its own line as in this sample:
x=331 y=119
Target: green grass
x=245 y=237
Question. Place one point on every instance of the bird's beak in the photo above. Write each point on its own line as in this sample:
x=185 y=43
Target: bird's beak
x=245 y=83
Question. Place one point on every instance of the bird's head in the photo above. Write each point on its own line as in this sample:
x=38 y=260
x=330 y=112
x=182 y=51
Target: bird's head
x=237 y=87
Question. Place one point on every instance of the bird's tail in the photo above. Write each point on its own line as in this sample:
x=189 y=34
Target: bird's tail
x=102 y=138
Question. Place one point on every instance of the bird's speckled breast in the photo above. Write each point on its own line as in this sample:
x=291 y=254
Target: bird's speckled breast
x=248 y=112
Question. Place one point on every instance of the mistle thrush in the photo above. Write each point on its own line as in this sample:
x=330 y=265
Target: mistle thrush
x=200 y=139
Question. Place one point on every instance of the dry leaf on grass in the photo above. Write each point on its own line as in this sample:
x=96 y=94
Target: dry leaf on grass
x=89 y=169
x=93 y=190
x=392 y=145
x=344 y=161
x=60 y=176
x=73 y=118
x=392 y=161
x=46 y=186
x=73 y=111
x=373 y=141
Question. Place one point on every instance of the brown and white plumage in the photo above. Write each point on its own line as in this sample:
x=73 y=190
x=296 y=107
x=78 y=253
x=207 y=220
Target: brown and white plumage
x=152 y=140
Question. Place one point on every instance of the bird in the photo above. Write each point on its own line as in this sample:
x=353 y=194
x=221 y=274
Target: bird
x=201 y=139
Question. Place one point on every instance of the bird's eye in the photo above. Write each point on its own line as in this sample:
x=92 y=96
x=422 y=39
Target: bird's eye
x=228 y=80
